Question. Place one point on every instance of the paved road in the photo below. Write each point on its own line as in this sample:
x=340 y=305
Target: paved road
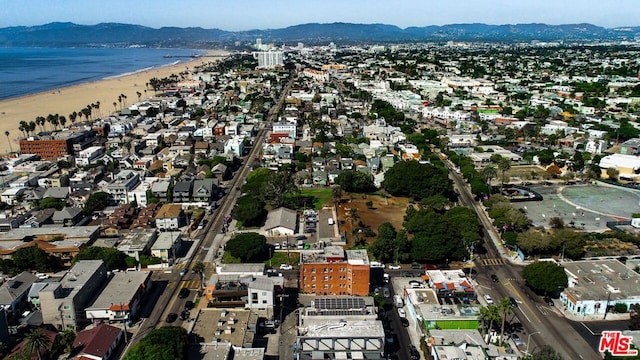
x=541 y=325
x=209 y=239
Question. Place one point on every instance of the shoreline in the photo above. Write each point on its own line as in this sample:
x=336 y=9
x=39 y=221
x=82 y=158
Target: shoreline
x=66 y=100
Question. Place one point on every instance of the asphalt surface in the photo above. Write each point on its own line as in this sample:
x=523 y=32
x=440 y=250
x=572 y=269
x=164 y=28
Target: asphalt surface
x=540 y=324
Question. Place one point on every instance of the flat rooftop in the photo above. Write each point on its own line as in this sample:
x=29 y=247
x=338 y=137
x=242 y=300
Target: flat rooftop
x=213 y=323
x=120 y=290
x=599 y=279
x=316 y=327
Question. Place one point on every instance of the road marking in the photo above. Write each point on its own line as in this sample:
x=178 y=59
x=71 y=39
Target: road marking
x=492 y=262
x=525 y=304
x=588 y=329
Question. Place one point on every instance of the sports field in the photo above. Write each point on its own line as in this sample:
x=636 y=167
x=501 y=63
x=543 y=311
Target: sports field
x=588 y=207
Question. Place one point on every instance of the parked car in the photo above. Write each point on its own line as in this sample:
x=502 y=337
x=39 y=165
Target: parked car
x=416 y=266
x=171 y=317
x=494 y=278
x=183 y=293
x=394 y=267
x=276 y=246
x=415 y=354
x=416 y=284
x=548 y=301
x=285 y=267
x=402 y=313
x=516 y=339
x=184 y=315
x=404 y=322
x=488 y=299
x=183 y=272
x=188 y=305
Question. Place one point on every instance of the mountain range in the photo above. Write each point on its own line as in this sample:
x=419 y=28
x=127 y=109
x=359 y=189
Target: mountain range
x=115 y=34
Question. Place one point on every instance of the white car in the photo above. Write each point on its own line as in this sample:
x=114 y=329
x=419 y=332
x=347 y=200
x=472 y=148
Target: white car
x=401 y=313
x=394 y=266
x=488 y=299
x=286 y=267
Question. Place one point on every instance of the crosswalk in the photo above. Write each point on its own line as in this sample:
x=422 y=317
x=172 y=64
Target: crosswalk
x=492 y=262
x=187 y=284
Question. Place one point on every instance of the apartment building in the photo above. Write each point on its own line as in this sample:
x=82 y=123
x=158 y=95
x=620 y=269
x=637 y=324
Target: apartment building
x=334 y=271
x=63 y=302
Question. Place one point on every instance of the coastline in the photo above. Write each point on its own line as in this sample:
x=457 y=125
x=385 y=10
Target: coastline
x=72 y=98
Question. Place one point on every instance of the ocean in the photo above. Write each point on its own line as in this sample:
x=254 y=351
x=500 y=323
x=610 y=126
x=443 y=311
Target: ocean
x=25 y=71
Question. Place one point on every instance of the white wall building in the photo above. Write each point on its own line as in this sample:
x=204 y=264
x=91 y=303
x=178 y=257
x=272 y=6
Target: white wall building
x=269 y=59
x=88 y=155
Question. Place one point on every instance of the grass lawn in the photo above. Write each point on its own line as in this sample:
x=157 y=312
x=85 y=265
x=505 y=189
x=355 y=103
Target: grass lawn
x=228 y=259
x=322 y=196
x=282 y=258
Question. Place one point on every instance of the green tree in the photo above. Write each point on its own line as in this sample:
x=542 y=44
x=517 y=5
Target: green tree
x=546 y=352
x=413 y=179
x=199 y=269
x=545 y=276
x=112 y=257
x=35 y=259
x=355 y=181
x=250 y=210
x=505 y=309
x=247 y=246
x=385 y=247
x=52 y=203
x=37 y=342
x=96 y=202
x=488 y=315
x=165 y=343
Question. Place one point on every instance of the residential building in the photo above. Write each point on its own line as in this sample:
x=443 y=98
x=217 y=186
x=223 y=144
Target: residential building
x=261 y=294
x=203 y=190
x=123 y=184
x=235 y=146
x=182 y=191
x=63 y=302
x=170 y=217
x=98 y=343
x=166 y=245
x=14 y=291
x=333 y=270
x=160 y=189
x=285 y=127
x=628 y=166
x=269 y=59
x=281 y=221
x=89 y=155
x=138 y=242
x=122 y=298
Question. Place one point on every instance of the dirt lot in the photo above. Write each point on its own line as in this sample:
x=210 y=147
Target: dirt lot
x=382 y=210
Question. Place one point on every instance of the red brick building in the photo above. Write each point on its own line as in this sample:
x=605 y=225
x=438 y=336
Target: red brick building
x=54 y=146
x=334 y=271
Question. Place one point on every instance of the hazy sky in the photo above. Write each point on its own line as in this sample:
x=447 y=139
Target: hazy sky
x=262 y=14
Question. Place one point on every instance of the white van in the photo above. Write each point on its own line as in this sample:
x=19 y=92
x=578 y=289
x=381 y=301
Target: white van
x=330 y=221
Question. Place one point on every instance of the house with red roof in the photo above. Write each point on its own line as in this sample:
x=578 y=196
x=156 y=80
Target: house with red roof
x=98 y=343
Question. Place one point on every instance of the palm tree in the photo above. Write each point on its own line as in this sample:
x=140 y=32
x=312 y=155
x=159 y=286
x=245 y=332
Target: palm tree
x=63 y=120
x=23 y=127
x=504 y=306
x=139 y=95
x=489 y=314
x=488 y=173
x=504 y=164
x=32 y=126
x=37 y=341
x=199 y=268
x=6 y=133
x=115 y=109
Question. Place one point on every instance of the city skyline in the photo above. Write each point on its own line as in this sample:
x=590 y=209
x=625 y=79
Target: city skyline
x=253 y=14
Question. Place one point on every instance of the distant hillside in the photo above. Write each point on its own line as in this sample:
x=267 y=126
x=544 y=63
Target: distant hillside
x=114 y=34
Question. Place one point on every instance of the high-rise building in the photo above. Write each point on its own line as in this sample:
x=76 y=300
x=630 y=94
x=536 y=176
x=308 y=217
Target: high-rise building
x=259 y=44
x=334 y=271
x=269 y=59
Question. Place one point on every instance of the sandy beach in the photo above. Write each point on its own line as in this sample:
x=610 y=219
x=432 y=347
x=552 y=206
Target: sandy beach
x=65 y=101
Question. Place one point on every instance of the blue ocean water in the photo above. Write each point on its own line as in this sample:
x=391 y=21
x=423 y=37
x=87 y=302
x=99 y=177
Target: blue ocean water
x=26 y=71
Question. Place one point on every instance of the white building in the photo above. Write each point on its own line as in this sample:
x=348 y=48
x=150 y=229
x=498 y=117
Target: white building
x=285 y=127
x=88 y=155
x=269 y=59
x=595 y=286
x=261 y=294
x=235 y=146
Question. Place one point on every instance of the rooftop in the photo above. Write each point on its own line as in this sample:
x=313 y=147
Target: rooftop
x=331 y=328
x=221 y=325
x=599 y=279
x=169 y=211
x=120 y=289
